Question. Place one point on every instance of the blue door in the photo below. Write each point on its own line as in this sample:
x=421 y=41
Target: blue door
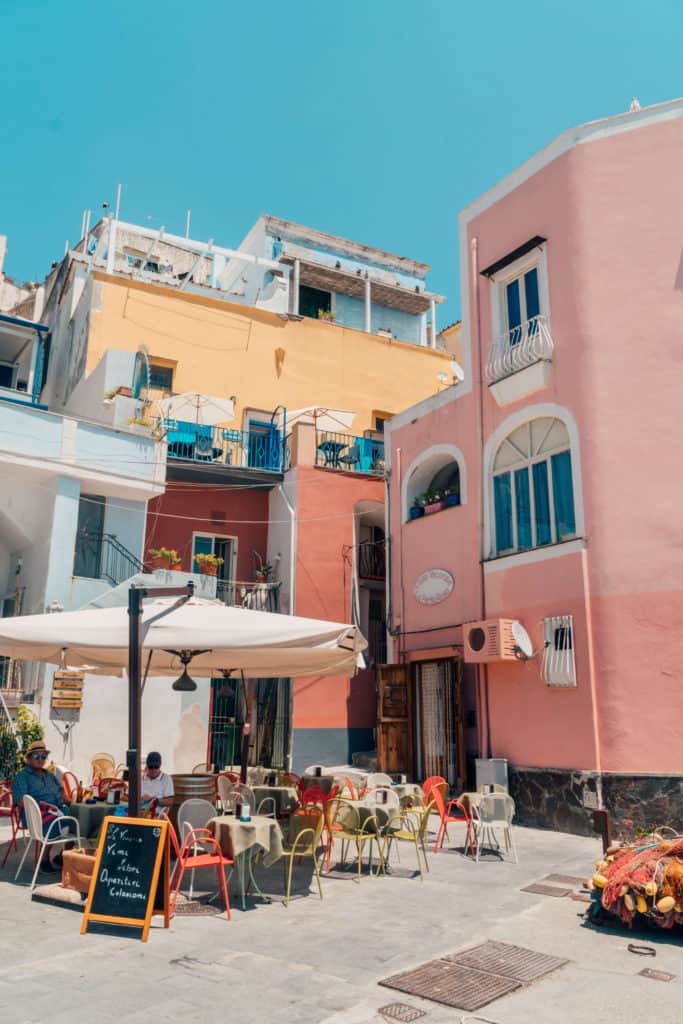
x=265 y=446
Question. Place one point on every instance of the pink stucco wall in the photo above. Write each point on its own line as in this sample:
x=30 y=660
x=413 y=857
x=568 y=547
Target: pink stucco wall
x=608 y=209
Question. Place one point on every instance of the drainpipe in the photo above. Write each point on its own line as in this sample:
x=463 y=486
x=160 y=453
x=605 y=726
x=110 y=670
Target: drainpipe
x=593 y=679
x=432 y=325
x=295 y=290
x=483 y=671
x=292 y=566
x=368 y=306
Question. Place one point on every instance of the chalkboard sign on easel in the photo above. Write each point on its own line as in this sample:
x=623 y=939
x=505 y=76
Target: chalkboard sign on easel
x=131 y=876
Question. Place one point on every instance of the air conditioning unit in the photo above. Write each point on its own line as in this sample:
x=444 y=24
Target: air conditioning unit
x=496 y=640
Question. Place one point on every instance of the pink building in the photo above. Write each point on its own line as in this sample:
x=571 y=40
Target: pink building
x=564 y=506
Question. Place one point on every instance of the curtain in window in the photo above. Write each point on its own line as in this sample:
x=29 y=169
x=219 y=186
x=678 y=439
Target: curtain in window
x=563 y=495
x=523 y=508
x=541 y=503
x=503 y=507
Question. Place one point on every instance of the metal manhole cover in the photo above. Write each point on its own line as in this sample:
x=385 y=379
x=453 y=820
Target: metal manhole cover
x=501 y=958
x=647 y=972
x=401 y=1011
x=545 y=890
x=195 y=909
x=565 y=879
x=451 y=984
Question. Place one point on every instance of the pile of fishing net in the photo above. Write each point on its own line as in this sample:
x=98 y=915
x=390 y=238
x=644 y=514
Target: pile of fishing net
x=643 y=879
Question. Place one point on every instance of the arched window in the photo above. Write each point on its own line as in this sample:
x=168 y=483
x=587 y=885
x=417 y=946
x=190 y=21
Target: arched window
x=533 y=494
x=438 y=474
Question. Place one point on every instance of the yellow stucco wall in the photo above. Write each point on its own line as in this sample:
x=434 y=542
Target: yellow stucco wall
x=223 y=349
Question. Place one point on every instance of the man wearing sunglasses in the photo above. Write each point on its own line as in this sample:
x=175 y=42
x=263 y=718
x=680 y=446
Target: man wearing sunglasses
x=36 y=781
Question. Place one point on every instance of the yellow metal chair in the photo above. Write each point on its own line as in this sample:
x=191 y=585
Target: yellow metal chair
x=344 y=818
x=407 y=826
x=303 y=840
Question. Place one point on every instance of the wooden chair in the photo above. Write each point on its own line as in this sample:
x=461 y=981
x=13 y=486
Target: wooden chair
x=103 y=767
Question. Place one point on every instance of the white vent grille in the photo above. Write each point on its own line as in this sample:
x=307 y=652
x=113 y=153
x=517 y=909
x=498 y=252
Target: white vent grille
x=559 y=668
x=490 y=640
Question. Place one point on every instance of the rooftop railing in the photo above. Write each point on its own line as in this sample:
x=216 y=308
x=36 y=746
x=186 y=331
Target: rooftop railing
x=243 y=449
x=522 y=346
x=349 y=453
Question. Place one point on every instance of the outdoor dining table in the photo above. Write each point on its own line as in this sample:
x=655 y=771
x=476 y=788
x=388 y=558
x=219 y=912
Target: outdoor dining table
x=238 y=839
x=286 y=797
x=409 y=794
x=90 y=816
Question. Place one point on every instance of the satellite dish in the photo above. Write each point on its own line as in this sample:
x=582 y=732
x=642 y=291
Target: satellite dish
x=522 y=641
x=458 y=371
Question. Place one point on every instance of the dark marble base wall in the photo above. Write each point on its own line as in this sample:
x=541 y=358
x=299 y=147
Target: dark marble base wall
x=564 y=800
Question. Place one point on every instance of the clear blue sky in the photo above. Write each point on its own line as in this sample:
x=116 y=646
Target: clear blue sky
x=373 y=119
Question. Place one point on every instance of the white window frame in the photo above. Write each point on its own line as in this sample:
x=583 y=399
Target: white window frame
x=527 y=463
x=232 y=575
x=559 y=663
x=499 y=282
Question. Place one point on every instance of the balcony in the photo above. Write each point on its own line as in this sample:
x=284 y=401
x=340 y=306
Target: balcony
x=372 y=560
x=23 y=349
x=225 y=454
x=348 y=453
x=263 y=597
x=518 y=363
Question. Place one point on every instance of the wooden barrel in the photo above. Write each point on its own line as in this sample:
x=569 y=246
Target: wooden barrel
x=191 y=787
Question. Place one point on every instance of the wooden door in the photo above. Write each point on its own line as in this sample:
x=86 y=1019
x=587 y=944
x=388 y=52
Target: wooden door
x=394 y=719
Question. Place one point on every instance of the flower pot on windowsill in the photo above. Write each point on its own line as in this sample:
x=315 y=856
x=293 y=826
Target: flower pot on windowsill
x=176 y=567
x=159 y=562
x=207 y=569
x=417 y=512
x=435 y=506
x=452 y=499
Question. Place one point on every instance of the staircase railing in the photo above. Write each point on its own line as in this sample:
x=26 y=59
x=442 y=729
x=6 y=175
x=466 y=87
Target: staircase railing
x=101 y=556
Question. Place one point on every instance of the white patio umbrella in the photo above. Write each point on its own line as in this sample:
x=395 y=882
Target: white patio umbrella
x=166 y=635
x=333 y=421
x=194 y=407
x=257 y=644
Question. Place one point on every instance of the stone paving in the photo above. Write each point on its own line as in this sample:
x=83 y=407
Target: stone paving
x=319 y=962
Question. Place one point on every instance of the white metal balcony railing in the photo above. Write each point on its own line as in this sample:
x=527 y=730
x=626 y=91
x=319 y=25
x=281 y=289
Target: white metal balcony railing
x=524 y=345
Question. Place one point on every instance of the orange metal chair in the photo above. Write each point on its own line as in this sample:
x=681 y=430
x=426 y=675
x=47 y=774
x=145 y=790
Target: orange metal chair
x=211 y=856
x=434 y=780
x=445 y=811
x=69 y=786
x=8 y=809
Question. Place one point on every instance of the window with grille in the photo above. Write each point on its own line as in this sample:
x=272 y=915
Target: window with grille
x=559 y=668
x=161 y=377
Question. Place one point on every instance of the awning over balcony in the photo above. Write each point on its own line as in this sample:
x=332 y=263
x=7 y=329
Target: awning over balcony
x=195 y=407
x=322 y=418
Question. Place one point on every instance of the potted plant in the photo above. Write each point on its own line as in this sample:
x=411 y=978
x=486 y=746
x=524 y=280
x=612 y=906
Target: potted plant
x=452 y=496
x=326 y=314
x=418 y=509
x=164 y=558
x=208 y=564
x=433 y=501
x=263 y=574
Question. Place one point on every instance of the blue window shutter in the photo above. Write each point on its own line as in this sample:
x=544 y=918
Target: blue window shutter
x=542 y=503
x=502 y=497
x=531 y=293
x=513 y=305
x=563 y=495
x=523 y=507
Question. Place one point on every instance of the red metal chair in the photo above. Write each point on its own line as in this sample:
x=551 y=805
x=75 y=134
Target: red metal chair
x=230 y=776
x=105 y=785
x=69 y=786
x=15 y=817
x=434 y=780
x=211 y=856
x=314 y=795
x=445 y=811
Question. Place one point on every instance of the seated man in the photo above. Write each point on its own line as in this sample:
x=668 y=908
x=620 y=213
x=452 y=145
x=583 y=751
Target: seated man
x=156 y=785
x=34 y=780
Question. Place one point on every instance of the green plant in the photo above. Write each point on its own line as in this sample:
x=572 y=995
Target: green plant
x=208 y=560
x=8 y=750
x=110 y=394
x=29 y=729
x=139 y=421
x=326 y=314
x=431 y=496
x=265 y=571
x=169 y=553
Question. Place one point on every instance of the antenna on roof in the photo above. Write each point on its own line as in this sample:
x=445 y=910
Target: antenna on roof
x=118 y=201
x=635 y=104
x=187 y=223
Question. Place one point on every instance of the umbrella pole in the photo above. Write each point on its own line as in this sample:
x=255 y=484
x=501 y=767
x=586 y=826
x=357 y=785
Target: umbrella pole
x=135 y=596
x=135 y=599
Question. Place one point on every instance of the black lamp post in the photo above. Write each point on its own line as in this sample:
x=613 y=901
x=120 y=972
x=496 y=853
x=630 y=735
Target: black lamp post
x=136 y=595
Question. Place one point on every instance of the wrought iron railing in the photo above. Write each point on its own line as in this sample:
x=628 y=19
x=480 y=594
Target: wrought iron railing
x=372 y=560
x=100 y=556
x=349 y=453
x=264 y=597
x=524 y=345
x=244 y=449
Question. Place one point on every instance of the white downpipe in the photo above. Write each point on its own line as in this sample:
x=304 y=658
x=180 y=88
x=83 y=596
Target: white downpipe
x=295 y=289
x=111 y=246
x=292 y=548
x=432 y=325
x=368 y=306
